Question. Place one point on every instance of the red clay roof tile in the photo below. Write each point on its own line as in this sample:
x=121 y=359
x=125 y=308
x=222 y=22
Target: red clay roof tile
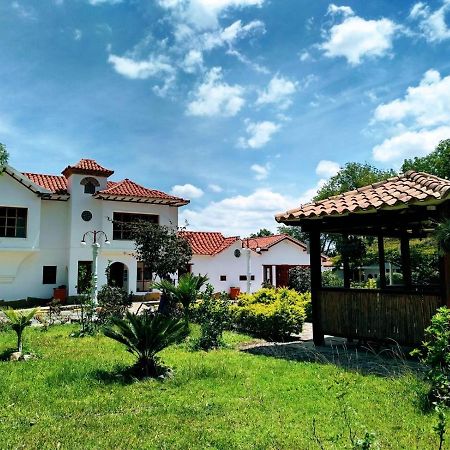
x=408 y=188
x=88 y=167
x=54 y=183
x=208 y=243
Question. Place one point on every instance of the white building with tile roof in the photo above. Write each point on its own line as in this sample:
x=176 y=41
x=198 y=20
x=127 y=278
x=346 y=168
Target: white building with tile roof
x=43 y=219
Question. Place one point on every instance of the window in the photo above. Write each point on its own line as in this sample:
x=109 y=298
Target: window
x=122 y=224
x=223 y=278
x=49 y=275
x=244 y=277
x=144 y=278
x=90 y=185
x=13 y=222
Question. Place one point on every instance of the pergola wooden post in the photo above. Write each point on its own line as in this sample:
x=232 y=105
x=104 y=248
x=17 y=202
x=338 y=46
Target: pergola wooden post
x=316 y=284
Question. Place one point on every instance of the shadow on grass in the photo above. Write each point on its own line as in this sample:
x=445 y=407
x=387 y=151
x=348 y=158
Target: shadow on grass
x=122 y=375
x=389 y=361
x=6 y=354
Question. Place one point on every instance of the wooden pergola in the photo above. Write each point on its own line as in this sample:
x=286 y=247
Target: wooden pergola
x=405 y=207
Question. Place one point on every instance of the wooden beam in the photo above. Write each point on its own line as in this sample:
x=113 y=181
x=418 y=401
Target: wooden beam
x=346 y=264
x=406 y=260
x=316 y=285
x=382 y=261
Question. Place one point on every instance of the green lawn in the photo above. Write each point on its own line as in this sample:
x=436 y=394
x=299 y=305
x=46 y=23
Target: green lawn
x=69 y=398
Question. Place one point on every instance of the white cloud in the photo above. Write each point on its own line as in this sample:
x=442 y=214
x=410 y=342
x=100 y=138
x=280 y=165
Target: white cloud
x=24 y=12
x=327 y=169
x=77 y=34
x=261 y=172
x=204 y=14
x=427 y=104
x=187 y=191
x=193 y=61
x=279 y=92
x=409 y=144
x=356 y=38
x=215 y=97
x=432 y=23
x=215 y=188
x=249 y=212
x=144 y=69
x=345 y=10
x=304 y=56
x=259 y=134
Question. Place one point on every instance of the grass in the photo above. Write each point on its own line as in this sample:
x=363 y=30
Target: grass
x=71 y=398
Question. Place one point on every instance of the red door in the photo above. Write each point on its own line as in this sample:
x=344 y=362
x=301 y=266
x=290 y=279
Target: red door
x=282 y=276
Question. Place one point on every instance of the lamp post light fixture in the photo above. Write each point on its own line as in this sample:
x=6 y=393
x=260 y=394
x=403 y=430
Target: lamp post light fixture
x=249 y=262
x=96 y=237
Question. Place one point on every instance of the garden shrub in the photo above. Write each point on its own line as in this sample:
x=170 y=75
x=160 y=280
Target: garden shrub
x=273 y=314
x=300 y=279
x=213 y=314
x=436 y=356
x=113 y=301
x=331 y=279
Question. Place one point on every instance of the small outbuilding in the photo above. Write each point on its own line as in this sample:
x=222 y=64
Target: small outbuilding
x=404 y=207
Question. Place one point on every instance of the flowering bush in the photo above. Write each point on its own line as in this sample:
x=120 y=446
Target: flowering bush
x=271 y=313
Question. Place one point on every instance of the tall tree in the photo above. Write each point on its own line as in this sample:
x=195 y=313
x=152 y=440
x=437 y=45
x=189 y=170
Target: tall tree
x=263 y=232
x=295 y=232
x=352 y=176
x=436 y=163
x=4 y=155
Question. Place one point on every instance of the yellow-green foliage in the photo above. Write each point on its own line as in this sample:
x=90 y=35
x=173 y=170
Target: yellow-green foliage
x=271 y=313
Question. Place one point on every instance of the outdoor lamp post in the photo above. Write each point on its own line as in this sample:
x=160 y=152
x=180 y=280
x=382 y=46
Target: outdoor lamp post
x=249 y=262
x=96 y=236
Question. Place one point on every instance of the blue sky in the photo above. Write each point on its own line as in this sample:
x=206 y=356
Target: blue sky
x=243 y=106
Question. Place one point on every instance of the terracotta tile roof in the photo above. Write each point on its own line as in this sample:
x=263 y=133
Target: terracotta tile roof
x=88 y=167
x=128 y=188
x=408 y=188
x=264 y=243
x=208 y=243
x=54 y=183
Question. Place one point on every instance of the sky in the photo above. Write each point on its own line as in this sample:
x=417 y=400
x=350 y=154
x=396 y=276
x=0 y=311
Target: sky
x=245 y=107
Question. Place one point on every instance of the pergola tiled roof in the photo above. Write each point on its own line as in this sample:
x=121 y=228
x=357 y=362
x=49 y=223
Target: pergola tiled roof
x=208 y=243
x=88 y=167
x=407 y=189
x=130 y=189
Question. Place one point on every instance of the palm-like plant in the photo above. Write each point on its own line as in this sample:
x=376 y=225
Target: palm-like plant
x=144 y=336
x=186 y=291
x=442 y=236
x=19 y=321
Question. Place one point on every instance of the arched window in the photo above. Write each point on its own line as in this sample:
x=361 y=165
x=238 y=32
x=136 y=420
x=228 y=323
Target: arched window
x=90 y=185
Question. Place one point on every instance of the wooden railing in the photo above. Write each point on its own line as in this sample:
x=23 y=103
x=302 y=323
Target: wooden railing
x=380 y=315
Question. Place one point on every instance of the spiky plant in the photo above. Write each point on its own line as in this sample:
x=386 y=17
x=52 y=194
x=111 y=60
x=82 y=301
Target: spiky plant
x=144 y=336
x=19 y=321
x=186 y=291
x=442 y=235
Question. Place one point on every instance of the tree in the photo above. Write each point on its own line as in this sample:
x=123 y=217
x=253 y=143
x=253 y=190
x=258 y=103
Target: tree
x=4 y=155
x=436 y=163
x=294 y=232
x=263 y=232
x=163 y=250
x=352 y=176
x=19 y=321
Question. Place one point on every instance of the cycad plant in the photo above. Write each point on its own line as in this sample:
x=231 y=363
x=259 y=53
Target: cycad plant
x=18 y=322
x=144 y=336
x=185 y=292
x=442 y=236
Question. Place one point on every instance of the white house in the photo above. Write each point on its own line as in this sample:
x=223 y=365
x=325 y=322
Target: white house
x=43 y=219
x=224 y=259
